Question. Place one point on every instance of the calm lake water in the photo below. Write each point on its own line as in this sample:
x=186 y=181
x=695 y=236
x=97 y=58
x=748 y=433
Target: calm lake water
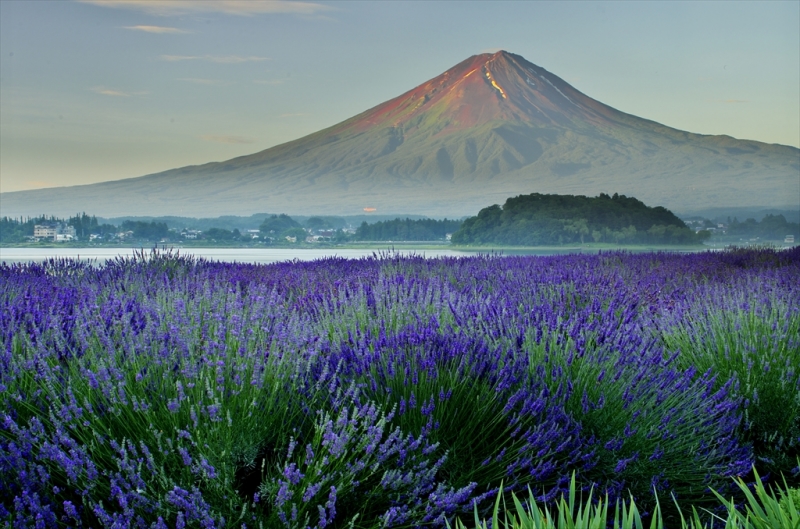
x=257 y=255
x=239 y=255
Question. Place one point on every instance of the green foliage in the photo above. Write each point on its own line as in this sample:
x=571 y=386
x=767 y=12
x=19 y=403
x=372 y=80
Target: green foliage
x=766 y=509
x=537 y=219
x=343 y=457
x=298 y=233
x=229 y=427
x=742 y=344
x=341 y=236
x=151 y=231
x=774 y=227
x=762 y=510
x=789 y=500
x=407 y=230
x=663 y=433
x=84 y=225
x=211 y=388
x=16 y=230
x=277 y=225
x=318 y=223
x=469 y=420
x=219 y=234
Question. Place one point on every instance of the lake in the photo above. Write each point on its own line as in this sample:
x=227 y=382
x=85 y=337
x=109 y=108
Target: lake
x=269 y=255
x=240 y=255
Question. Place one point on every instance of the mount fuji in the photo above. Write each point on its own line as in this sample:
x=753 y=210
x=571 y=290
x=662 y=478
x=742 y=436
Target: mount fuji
x=491 y=127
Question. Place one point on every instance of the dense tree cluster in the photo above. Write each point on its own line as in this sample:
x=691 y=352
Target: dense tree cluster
x=318 y=223
x=152 y=231
x=277 y=225
x=407 y=230
x=774 y=227
x=537 y=219
x=283 y=226
x=221 y=234
x=16 y=230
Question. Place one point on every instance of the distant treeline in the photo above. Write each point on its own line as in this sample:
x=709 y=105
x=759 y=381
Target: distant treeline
x=20 y=229
x=536 y=220
x=407 y=230
x=271 y=228
x=232 y=222
x=151 y=231
x=774 y=227
x=17 y=230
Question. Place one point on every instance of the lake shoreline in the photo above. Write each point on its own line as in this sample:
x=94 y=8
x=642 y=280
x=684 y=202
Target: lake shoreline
x=269 y=255
x=373 y=245
x=275 y=254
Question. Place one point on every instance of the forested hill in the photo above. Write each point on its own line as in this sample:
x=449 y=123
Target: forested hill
x=534 y=220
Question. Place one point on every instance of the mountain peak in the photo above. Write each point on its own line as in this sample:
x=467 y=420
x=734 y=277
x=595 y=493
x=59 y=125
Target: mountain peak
x=494 y=54
x=484 y=88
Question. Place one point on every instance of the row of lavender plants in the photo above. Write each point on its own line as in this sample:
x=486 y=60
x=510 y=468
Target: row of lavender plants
x=166 y=391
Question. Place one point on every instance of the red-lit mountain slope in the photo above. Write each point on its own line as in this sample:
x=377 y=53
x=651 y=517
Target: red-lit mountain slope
x=493 y=126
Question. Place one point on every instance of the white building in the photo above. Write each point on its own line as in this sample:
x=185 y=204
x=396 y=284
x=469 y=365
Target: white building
x=44 y=231
x=55 y=232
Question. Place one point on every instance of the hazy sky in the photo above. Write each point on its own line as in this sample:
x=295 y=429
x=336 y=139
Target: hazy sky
x=107 y=89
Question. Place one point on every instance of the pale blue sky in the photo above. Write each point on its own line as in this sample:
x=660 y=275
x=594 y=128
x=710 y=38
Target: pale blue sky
x=108 y=89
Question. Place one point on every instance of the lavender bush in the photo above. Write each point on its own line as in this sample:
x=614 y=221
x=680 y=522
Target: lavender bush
x=752 y=337
x=165 y=391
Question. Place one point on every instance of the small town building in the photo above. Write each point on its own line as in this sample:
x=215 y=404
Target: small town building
x=55 y=232
x=44 y=231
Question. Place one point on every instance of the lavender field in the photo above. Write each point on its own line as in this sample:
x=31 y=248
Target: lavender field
x=395 y=391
